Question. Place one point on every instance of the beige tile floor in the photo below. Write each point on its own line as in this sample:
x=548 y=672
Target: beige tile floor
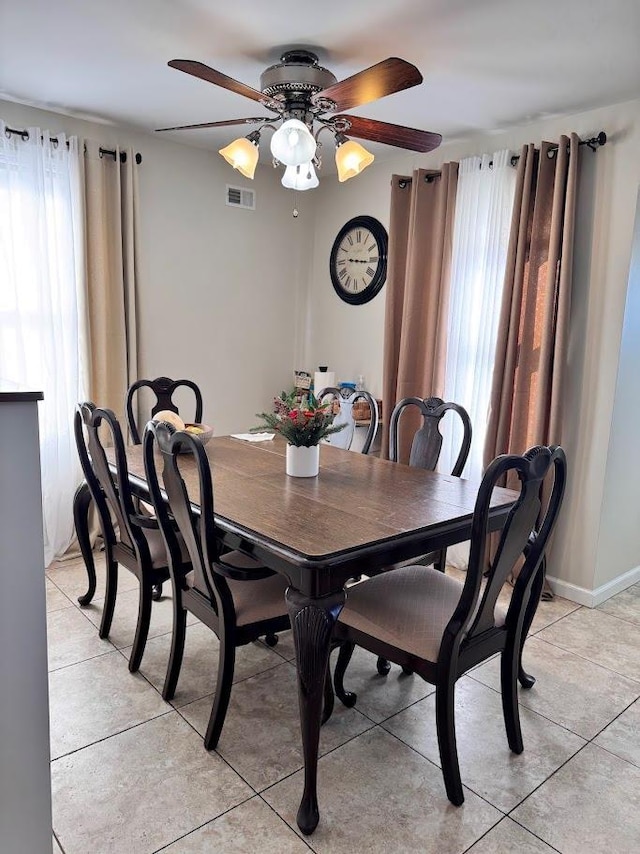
x=130 y=774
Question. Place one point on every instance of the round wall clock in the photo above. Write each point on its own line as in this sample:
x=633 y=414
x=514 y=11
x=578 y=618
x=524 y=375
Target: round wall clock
x=358 y=263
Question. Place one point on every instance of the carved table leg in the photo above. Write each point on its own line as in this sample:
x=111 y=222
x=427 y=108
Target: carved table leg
x=525 y=679
x=81 y=504
x=312 y=621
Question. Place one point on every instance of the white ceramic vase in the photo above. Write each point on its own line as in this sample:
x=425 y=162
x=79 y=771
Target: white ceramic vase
x=303 y=462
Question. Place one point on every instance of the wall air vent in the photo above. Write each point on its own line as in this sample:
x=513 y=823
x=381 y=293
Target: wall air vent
x=239 y=197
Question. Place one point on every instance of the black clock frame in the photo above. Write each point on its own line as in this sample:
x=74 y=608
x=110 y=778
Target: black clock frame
x=380 y=236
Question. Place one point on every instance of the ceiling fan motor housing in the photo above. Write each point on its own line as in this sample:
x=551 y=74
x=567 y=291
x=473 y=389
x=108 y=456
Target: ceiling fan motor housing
x=294 y=80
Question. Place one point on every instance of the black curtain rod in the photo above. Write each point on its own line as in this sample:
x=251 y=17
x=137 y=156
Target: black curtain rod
x=593 y=143
x=104 y=152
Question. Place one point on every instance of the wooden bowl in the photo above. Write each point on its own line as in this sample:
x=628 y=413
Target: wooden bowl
x=163 y=436
x=204 y=436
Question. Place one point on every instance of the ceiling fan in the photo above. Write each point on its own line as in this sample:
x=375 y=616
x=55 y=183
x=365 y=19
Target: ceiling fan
x=304 y=97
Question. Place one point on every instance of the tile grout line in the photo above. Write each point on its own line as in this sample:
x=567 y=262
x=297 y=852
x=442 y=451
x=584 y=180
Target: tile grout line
x=534 y=711
x=590 y=660
x=73 y=602
x=235 y=681
x=615 y=755
x=435 y=765
x=111 y=735
x=608 y=750
x=546 y=780
x=57 y=839
x=584 y=658
x=632 y=703
x=302 y=838
x=544 y=841
x=500 y=821
x=209 y=821
x=554 y=622
x=296 y=770
x=83 y=660
x=624 y=620
x=499 y=693
x=551 y=720
x=121 y=650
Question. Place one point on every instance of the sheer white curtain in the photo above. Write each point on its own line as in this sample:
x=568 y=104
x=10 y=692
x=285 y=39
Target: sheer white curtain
x=484 y=202
x=41 y=304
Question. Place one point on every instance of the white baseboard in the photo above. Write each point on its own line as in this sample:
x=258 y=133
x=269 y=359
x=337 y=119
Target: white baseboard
x=592 y=598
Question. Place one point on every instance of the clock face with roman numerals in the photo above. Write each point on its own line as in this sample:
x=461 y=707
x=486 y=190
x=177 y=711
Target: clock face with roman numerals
x=358 y=263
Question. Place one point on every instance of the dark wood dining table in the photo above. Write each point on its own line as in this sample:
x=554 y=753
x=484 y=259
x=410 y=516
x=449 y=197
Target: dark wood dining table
x=359 y=514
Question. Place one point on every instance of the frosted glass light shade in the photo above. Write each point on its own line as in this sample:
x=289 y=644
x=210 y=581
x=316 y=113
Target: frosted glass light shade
x=242 y=154
x=351 y=159
x=293 y=143
x=302 y=177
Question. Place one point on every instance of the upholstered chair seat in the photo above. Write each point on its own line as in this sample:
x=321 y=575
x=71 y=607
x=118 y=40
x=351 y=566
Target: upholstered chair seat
x=408 y=609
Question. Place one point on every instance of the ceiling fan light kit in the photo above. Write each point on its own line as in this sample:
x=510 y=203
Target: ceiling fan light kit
x=293 y=143
x=300 y=177
x=303 y=94
x=351 y=158
x=243 y=155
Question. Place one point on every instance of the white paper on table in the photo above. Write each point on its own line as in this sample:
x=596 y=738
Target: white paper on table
x=253 y=437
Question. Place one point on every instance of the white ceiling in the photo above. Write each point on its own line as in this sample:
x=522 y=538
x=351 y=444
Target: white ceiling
x=487 y=64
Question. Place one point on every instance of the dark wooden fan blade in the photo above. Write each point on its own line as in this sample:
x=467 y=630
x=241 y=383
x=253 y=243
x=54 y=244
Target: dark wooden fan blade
x=252 y=121
x=386 y=77
x=198 y=69
x=398 y=135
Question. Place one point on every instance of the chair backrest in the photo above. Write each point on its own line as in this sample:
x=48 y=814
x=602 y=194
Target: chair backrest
x=163 y=388
x=526 y=531
x=199 y=535
x=344 y=438
x=114 y=487
x=427 y=441
x=82 y=420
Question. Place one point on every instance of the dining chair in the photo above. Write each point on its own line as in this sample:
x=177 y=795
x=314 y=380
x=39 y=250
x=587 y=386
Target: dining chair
x=426 y=446
x=138 y=544
x=163 y=388
x=231 y=593
x=440 y=627
x=344 y=438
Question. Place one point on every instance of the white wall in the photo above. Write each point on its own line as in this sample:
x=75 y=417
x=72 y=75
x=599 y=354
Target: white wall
x=346 y=338
x=349 y=338
x=218 y=287
x=620 y=530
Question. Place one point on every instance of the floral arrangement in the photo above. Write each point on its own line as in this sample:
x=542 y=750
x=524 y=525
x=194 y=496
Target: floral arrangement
x=301 y=422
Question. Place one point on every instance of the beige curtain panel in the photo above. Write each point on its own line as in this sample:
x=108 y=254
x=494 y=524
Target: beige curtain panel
x=110 y=195
x=111 y=231
x=531 y=352
x=420 y=239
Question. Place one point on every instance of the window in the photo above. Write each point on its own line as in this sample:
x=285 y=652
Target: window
x=41 y=305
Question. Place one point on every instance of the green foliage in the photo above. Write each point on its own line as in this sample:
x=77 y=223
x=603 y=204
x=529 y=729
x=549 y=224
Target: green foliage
x=302 y=423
